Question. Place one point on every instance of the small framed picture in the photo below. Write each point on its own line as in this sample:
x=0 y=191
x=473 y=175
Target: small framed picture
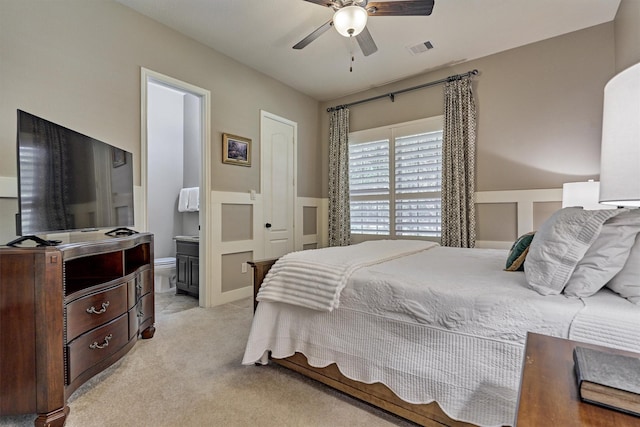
x=118 y=157
x=236 y=150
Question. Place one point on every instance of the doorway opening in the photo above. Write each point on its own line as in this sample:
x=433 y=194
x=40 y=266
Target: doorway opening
x=175 y=141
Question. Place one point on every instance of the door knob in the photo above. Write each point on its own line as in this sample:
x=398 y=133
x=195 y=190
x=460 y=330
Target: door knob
x=268 y=225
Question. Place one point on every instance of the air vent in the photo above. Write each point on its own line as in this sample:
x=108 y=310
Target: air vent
x=420 y=48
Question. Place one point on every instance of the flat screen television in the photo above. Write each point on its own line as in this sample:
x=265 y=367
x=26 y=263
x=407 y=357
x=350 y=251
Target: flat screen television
x=68 y=181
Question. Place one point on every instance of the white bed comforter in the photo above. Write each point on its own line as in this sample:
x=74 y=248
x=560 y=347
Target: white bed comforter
x=445 y=325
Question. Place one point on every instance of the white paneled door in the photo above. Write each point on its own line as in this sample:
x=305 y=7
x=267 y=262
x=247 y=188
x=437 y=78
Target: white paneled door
x=278 y=154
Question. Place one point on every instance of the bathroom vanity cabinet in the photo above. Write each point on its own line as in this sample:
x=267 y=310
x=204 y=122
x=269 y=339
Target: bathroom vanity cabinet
x=67 y=313
x=187 y=266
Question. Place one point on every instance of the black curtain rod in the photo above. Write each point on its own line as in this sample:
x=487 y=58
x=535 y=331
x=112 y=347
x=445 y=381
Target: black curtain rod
x=392 y=95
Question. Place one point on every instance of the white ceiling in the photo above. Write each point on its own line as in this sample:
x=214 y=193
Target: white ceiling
x=261 y=33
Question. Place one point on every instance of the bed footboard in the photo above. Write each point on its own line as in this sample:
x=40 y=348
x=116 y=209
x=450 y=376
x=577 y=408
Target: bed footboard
x=260 y=270
x=375 y=394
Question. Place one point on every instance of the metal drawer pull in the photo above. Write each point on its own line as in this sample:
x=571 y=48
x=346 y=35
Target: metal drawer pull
x=92 y=309
x=140 y=314
x=106 y=343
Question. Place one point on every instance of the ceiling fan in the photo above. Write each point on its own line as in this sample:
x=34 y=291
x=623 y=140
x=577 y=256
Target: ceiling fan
x=350 y=18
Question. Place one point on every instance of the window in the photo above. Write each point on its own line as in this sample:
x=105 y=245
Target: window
x=395 y=175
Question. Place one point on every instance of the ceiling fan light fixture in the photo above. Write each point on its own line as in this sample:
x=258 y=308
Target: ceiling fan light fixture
x=350 y=20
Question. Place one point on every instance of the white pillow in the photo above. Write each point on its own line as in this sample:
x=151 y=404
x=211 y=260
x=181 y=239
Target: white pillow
x=627 y=281
x=560 y=244
x=606 y=256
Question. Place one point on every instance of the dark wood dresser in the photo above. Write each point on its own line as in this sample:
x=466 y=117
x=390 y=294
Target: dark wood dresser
x=67 y=313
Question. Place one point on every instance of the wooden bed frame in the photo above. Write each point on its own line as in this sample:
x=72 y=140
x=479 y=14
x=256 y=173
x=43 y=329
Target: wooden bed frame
x=376 y=394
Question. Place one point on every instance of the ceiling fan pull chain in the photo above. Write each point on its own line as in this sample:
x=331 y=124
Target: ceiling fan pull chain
x=351 y=53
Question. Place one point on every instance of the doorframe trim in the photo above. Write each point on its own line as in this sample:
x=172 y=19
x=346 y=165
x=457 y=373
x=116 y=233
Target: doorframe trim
x=206 y=221
x=264 y=115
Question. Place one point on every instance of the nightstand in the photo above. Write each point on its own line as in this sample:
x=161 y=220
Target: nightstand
x=548 y=393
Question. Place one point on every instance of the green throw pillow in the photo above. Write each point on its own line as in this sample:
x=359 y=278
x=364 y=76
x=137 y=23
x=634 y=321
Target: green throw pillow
x=518 y=252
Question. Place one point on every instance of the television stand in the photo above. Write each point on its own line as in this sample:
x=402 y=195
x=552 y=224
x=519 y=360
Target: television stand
x=38 y=240
x=121 y=231
x=68 y=313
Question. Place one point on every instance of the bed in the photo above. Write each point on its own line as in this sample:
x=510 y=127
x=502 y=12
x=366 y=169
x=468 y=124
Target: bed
x=436 y=334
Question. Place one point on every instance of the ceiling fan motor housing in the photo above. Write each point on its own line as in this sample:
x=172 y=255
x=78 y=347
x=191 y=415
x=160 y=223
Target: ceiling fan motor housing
x=350 y=20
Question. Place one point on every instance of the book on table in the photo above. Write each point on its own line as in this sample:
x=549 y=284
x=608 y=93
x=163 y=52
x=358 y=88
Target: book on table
x=608 y=379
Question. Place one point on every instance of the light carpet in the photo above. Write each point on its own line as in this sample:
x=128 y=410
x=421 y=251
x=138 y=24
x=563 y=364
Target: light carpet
x=189 y=374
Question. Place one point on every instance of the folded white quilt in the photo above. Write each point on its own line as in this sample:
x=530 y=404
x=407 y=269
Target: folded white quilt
x=315 y=278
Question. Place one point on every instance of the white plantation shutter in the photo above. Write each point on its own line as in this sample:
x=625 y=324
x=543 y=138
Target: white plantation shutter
x=369 y=187
x=369 y=168
x=418 y=177
x=395 y=175
x=370 y=217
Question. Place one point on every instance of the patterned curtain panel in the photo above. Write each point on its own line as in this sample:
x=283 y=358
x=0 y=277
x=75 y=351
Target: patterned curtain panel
x=458 y=165
x=339 y=214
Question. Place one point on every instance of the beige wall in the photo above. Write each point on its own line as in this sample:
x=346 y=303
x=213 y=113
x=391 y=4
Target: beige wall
x=539 y=109
x=77 y=63
x=627 y=30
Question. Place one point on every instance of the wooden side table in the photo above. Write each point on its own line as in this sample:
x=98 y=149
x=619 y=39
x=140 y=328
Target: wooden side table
x=548 y=393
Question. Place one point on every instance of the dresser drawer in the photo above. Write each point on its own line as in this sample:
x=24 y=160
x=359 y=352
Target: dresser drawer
x=147 y=308
x=144 y=282
x=131 y=291
x=187 y=248
x=143 y=312
x=96 y=345
x=93 y=310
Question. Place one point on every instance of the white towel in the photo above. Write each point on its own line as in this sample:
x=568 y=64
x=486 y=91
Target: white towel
x=193 y=204
x=183 y=200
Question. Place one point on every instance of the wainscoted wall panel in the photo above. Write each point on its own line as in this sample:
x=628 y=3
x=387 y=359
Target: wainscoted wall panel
x=8 y=187
x=237 y=222
x=310 y=220
x=533 y=207
x=235 y=273
x=489 y=229
x=311 y=223
x=221 y=289
x=8 y=208
x=231 y=248
x=542 y=211
x=520 y=211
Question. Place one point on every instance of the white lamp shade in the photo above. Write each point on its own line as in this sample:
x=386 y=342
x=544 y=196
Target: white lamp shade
x=350 y=20
x=620 y=155
x=584 y=194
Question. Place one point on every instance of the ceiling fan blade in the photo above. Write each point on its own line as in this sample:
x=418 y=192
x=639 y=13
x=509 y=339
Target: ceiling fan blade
x=311 y=37
x=327 y=3
x=367 y=45
x=400 y=8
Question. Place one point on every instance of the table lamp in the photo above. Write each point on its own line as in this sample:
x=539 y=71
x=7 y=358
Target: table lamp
x=585 y=194
x=620 y=151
